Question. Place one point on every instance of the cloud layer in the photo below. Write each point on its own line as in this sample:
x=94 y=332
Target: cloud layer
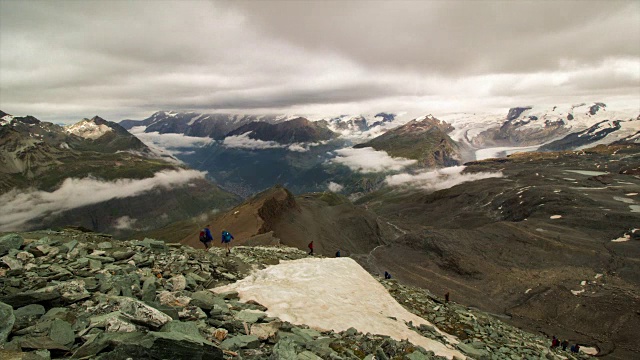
x=335 y=187
x=281 y=57
x=172 y=143
x=243 y=141
x=18 y=207
x=438 y=179
x=368 y=160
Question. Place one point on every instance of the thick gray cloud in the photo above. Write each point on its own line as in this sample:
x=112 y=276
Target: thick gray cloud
x=64 y=60
x=459 y=37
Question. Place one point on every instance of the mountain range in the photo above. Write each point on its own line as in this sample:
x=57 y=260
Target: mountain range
x=435 y=201
x=93 y=174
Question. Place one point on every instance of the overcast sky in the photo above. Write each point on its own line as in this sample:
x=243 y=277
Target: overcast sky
x=64 y=60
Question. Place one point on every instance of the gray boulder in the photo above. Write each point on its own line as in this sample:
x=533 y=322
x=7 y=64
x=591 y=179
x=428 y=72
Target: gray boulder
x=27 y=315
x=10 y=241
x=285 y=350
x=140 y=313
x=241 y=342
x=250 y=316
x=209 y=301
x=52 y=335
x=473 y=352
x=152 y=345
x=7 y=319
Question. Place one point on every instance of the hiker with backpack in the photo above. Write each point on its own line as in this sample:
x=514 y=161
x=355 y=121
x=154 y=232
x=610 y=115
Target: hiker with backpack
x=226 y=239
x=205 y=237
x=310 y=248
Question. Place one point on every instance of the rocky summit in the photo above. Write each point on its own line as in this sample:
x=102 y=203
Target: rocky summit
x=77 y=295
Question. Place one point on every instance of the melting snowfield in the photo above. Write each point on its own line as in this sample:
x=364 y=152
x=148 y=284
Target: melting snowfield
x=333 y=294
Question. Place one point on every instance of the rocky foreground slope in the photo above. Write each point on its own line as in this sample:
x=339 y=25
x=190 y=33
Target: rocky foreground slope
x=78 y=295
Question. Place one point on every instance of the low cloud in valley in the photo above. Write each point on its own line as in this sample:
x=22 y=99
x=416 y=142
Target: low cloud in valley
x=438 y=179
x=19 y=207
x=368 y=160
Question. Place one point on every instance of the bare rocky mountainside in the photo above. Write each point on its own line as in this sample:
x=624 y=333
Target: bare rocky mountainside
x=425 y=140
x=96 y=175
x=276 y=216
x=552 y=245
x=76 y=295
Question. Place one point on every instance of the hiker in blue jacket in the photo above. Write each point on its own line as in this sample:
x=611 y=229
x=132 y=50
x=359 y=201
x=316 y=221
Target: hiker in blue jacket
x=226 y=239
x=205 y=236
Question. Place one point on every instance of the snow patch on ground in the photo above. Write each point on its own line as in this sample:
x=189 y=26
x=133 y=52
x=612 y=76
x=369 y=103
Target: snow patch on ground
x=577 y=292
x=5 y=120
x=333 y=294
x=555 y=217
x=589 y=350
x=624 y=238
x=587 y=172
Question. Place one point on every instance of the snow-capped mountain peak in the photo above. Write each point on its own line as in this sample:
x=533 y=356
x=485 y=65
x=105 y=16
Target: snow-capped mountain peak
x=89 y=128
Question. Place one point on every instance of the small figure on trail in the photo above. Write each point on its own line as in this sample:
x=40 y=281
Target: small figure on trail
x=205 y=236
x=226 y=239
x=575 y=348
x=338 y=253
x=555 y=342
x=387 y=275
x=564 y=345
x=446 y=297
x=310 y=248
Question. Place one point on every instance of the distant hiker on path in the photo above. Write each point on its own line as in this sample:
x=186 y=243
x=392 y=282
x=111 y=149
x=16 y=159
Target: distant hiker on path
x=555 y=342
x=310 y=248
x=387 y=275
x=338 y=253
x=575 y=348
x=205 y=237
x=226 y=239
x=446 y=297
x=564 y=345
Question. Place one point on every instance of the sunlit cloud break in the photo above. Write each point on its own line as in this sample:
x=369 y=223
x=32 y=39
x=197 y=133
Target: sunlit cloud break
x=438 y=179
x=368 y=160
x=18 y=207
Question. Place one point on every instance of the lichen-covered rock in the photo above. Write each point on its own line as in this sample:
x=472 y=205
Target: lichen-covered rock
x=53 y=335
x=7 y=319
x=141 y=313
x=27 y=315
x=285 y=350
x=250 y=316
x=207 y=300
x=241 y=342
x=10 y=241
x=266 y=331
